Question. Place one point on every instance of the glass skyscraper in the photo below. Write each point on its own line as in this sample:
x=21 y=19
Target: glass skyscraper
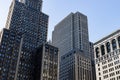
x=72 y=33
x=71 y=37
x=26 y=29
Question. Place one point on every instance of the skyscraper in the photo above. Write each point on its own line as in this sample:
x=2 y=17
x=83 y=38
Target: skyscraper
x=107 y=57
x=10 y=48
x=71 y=37
x=72 y=33
x=26 y=29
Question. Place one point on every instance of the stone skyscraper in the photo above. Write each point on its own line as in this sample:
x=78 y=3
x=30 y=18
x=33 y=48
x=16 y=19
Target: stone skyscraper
x=26 y=29
x=72 y=33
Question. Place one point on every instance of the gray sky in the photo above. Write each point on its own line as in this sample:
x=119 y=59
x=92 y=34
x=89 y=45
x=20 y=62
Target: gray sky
x=103 y=15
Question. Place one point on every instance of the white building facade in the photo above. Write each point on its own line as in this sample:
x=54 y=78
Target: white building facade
x=107 y=57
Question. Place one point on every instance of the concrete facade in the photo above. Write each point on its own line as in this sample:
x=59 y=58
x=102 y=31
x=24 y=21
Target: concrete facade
x=107 y=57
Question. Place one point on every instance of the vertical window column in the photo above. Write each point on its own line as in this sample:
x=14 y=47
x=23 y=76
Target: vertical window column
x=111 y=46
x=108 y=47
x=117 y=43
x=97 y=52
x=114 y=45
x=105 y=48
x=118 y=39
x=100 y=51
x=102 y=47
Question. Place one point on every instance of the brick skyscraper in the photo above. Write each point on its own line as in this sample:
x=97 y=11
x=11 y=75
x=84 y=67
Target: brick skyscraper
x=26 y=29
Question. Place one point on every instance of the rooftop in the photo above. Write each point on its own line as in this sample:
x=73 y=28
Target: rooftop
x=113 y=33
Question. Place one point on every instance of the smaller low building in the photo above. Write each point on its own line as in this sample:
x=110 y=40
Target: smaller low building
x=46 y=63
x=107 y=57
x=75 y=66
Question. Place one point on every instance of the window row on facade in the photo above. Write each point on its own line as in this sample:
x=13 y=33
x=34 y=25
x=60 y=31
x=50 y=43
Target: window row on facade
x=108 y=57
x=107 y=47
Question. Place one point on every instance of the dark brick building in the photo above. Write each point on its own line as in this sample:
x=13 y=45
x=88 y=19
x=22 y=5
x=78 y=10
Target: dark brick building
x=26 y=30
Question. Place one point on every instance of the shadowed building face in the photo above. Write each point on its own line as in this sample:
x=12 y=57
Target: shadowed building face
x=25 y=17
x=36 y=4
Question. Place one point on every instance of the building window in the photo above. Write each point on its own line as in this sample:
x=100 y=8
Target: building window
x=117 y=72
x=117 y=62
x=97 y=52
x=99 y=78
x=98 y=69
x=114 y=46
x=111 y=69
x=112 y=74
x=99 y=73
x=108 y=47
x=105 y=71
x=98 y=64
x=106 y=76
x=111 y=64
x=118 y=78
x=119 y=41
x=102 y=49
x=104 y=67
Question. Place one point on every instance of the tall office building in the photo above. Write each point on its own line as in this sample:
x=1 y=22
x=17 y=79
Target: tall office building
x=26 y=29
x=10 y=48
x=72 y=33
x=71 y=37
x=107 y=57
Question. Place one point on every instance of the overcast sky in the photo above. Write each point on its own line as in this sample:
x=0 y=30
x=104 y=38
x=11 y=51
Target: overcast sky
x=103 y=15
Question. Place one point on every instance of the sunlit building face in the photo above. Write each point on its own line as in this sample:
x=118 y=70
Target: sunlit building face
x=107 y=57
